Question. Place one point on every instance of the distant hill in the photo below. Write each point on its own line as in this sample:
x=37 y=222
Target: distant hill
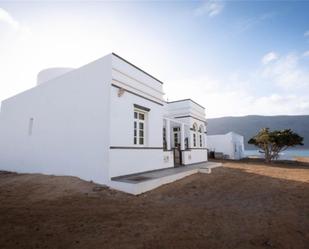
x=248 y=126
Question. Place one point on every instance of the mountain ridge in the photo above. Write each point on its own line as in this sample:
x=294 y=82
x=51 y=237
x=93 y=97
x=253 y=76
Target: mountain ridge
x=250 y=125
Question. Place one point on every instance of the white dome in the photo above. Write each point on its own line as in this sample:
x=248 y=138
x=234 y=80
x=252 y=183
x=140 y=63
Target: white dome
x=51 y=73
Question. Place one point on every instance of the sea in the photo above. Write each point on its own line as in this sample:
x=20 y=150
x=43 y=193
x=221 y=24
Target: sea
x=285 y=155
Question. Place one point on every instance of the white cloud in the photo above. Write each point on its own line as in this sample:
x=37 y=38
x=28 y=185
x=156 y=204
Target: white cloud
x=287 y=72
x=221 y=95
x=279 y=87
x=306 y=34
x=12 y=27
x=248 y=23
x=279 y=104
x=306 y=53
x=235 y=98
x=23 y=54
x=8 y=19
x=210 y=8
x=271 y=56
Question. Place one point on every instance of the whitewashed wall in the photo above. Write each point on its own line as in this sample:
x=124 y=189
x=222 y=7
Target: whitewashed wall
x=189 y=113
x=124 y=160
x=194 y=156
x=238 y=141
x=226 y=143
x=70 y=131
x=125 y=157
x=185 y=107
x=168 y=159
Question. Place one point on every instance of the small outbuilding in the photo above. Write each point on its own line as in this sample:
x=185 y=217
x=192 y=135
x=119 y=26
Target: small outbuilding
x=230 y=145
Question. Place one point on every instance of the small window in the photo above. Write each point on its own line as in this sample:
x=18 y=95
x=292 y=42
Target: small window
x=194 y=131
x=164 y=139
x=176 y=139
x=200 y=130
x=194 y=139
x=30 y=126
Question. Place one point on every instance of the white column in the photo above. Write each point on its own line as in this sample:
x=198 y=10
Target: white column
x=190 y=139
x=168 y=134
x=182 y=136
x=205 y=140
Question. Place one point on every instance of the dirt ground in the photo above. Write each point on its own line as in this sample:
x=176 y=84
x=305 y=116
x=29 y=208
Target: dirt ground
x=302 y=159
x=241 y=205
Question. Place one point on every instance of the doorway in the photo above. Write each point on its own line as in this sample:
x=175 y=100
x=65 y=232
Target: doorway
x=176 y=147
x=177 y=156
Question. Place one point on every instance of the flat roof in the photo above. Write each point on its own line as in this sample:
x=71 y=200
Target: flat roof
x=181 y=100
x=136 y=67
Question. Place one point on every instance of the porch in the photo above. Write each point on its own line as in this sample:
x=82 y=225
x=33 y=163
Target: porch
x=186 y=138
x=142 y=182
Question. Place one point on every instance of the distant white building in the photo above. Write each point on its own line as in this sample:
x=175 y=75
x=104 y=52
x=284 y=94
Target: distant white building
x=230 y=144
x=98 y=122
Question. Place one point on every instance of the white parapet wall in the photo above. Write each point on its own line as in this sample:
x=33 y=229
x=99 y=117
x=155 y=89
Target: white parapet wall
x=194 y=156
x=168 y=159
x=131 y=161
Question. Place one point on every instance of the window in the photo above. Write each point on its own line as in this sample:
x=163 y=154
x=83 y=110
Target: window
x=139 y=127
x=194 y=140
x=30 y=126
x=200 y=130
x=176 y=135
x=176 y=140
x=186 y=143
x=194 y=129
x=164 y=139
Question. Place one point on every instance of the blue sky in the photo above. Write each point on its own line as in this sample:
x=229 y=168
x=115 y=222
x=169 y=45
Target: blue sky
x=234 y=57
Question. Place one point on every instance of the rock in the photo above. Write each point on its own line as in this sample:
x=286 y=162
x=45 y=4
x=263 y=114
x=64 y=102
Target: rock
x=97 y=188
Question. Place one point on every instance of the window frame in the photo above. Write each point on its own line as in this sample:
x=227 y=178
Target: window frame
x=137 y=121
x=176 y=136
x=194 y=139
x=195 y=134
x=200 y=131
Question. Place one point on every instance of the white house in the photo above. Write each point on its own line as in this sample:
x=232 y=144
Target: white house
x=104 y=120
x=230 y=144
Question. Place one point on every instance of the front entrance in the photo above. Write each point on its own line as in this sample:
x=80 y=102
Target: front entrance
x=177 y=156
x=176 y=147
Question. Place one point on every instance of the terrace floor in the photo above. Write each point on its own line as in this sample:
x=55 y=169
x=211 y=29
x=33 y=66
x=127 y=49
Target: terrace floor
x=163 y=176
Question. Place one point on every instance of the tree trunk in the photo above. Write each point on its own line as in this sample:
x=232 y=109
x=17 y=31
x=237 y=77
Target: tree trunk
x=267 y=154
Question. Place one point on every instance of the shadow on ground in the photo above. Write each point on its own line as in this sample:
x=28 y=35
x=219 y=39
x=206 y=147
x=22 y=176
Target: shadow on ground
x=260 y=161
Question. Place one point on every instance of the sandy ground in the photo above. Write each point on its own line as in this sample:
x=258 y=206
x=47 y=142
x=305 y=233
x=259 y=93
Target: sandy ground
x=302 y=159
x=241 y=205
